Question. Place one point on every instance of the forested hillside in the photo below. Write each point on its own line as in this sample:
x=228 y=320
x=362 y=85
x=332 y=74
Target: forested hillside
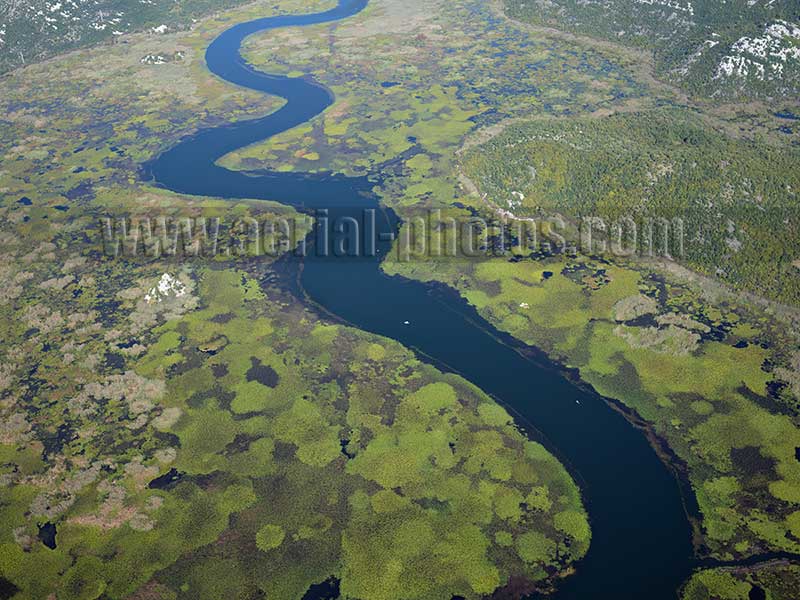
x=737 y=199
x=739 y=48
x=31 y=30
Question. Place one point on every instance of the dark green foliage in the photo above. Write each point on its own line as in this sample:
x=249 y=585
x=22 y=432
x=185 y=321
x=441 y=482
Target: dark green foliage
x=737 y=199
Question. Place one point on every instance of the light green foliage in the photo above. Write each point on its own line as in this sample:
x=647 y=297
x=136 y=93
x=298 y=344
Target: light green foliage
x=207 y=432
x=84 y=581
x=269 y=537
x=304 y=426
x=534 y=548
x=494 y=414
x=574 y=524
x=250 y=397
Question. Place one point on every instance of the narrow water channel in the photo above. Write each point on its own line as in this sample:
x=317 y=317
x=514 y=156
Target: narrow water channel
x=641 y=537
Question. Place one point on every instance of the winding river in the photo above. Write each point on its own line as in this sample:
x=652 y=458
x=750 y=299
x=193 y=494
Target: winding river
x=641 y=537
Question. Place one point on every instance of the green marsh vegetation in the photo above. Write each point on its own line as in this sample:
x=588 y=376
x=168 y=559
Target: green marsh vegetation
x=302 y=450
x=775 y=580
x=220 y=434
x=345 y=412
x=379 y=463
x=704 y=395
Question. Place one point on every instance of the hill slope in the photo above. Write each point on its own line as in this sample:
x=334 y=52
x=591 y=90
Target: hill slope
x=739 y=48
x=32 y=30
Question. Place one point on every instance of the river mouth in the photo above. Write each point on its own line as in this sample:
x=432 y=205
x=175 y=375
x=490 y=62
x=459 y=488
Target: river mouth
x=641 y=538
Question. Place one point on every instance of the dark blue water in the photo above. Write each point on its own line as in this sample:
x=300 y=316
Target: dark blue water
x=641 y=537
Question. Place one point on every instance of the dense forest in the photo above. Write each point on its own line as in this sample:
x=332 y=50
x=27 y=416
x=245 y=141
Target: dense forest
x=737 y=199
